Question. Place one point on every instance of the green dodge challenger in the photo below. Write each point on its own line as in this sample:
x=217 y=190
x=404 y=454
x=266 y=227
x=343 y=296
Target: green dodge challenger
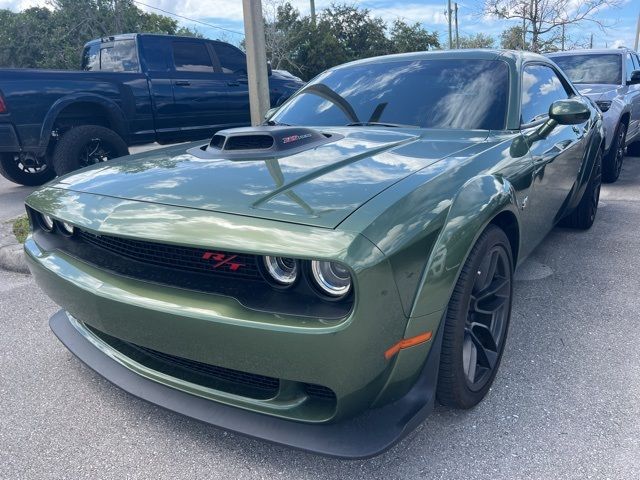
x=320 y=280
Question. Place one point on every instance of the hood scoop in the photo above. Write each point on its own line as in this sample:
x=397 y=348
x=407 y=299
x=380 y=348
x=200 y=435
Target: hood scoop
x=259 y=143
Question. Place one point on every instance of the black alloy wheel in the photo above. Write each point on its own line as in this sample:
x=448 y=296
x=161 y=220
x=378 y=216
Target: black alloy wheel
x=25 y=169
x=476 y=322
x=87 y=145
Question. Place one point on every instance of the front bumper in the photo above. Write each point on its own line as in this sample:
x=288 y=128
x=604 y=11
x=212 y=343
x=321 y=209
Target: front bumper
x=364 y=436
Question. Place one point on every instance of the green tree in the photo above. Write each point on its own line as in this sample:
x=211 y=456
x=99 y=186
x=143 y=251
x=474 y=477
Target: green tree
x=44 y=38
x=513 y=39
x=477 y=40
x=412 y=38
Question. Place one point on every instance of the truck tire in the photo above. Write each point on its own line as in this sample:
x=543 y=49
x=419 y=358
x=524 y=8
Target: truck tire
x=23 y=170
x=86 y=145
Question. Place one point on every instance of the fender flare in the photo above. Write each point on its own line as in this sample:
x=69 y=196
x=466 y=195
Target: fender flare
x=115 y=113
x=479 y=201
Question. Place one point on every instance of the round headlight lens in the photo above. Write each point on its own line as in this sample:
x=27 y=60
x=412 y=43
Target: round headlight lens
x=282 y=270
x=332 y=278
x=66 y=228
x=46 y=222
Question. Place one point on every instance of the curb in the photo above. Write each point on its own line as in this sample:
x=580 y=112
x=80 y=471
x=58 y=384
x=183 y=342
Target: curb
x=11 y=252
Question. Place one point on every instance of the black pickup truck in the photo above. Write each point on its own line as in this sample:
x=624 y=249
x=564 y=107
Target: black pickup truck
x=133 y=89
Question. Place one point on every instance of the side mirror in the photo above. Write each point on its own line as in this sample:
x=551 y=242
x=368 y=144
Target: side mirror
x=569 y=112
x=269 y=70
x=635 y=78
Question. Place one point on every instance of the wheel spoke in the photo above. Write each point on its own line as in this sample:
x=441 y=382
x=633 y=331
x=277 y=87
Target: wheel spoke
x=487 y=355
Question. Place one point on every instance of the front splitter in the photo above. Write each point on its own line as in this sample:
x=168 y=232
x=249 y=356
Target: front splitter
x=366 y=435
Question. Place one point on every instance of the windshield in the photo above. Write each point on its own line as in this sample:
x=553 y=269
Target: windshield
x=605 y=68
x=468 y=94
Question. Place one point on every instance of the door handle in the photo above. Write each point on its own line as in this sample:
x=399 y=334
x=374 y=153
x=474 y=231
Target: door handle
x=183 y=83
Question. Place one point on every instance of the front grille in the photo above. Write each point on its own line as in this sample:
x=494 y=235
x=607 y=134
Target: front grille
x=211 y=376
x=320 y=392
x=210 y=262
x=223 y=379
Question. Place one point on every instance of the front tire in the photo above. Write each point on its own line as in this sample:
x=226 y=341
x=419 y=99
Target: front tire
x=25 y=169
x=612 y=163
x=87 y=145
x=476 y=322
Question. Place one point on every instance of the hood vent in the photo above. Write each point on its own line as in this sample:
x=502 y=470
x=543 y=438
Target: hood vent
x=259 y=143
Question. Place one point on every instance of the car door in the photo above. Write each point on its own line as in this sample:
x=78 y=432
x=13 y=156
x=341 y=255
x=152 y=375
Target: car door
x=233 y=64
x=557 y=154
x=633 y=97
x=199 y=90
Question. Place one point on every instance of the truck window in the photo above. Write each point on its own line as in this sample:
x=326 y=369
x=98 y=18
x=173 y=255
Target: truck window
x=119 y=56
x=231 y=59
x=91 y=57
x=191 y=57
x=630 y=67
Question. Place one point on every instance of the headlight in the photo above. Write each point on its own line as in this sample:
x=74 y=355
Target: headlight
x=66 y=228
x=332 y=278
x=46 y=222
x=284 y=271
x=604 y=105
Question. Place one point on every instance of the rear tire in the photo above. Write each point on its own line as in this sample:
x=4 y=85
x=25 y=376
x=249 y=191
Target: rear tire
x=584 y=214
x=477 y=321
x=86 y=145
x=22 y=170
x=612 y=162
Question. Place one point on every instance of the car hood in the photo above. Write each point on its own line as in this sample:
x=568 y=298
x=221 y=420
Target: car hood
x=597 y=91
x=319 y=186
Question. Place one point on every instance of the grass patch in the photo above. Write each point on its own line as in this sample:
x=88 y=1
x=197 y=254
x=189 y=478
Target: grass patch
x=21 y=228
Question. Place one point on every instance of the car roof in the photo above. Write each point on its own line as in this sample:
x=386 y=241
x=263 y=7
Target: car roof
x=591 y=51
x=133 y=36
x=512 y=56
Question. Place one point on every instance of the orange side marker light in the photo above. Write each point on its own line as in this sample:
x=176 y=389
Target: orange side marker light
x=406 y=343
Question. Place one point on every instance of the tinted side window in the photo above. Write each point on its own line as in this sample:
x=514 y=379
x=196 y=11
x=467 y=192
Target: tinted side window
x=231 y=59
x=630 y=67
x=119 y=56
x=91 y=57
x=540 y=88
x=156 y=53
x=191 y=57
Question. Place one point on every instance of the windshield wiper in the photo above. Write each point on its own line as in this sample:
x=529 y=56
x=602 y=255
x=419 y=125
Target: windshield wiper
x=273 y=123
x=380 y=124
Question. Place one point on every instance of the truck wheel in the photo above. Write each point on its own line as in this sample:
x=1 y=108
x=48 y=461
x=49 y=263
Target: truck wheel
x=584 y=214
x=86 y=145
x=612 y=163
x=25 y=169
x=476 y=322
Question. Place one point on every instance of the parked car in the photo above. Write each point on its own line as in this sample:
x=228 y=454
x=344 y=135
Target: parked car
x=134 y=89
x=319 y=281
x=611 y=78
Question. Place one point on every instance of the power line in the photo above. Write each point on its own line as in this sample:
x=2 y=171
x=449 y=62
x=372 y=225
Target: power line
x=187 y=18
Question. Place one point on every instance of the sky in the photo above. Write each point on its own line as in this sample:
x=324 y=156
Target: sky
x=227 y=14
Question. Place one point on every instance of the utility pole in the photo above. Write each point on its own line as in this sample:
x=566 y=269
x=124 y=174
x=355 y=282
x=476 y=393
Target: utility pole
x=313 y=11
x=456 y=17
x=524 y=27
x=563 y=37
x=635 y=47
x=591 y=41
x=256 y=60
x=449 y=11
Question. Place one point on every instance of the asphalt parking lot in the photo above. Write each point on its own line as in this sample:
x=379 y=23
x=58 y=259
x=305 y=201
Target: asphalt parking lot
x=565 y=403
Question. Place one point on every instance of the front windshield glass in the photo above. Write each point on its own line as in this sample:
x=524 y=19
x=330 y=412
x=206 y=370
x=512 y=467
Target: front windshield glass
x=460 y=94
x=605 y=68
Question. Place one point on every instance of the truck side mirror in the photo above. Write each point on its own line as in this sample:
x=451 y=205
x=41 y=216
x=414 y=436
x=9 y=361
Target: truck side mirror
x=635 y=78
x=269 y=70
